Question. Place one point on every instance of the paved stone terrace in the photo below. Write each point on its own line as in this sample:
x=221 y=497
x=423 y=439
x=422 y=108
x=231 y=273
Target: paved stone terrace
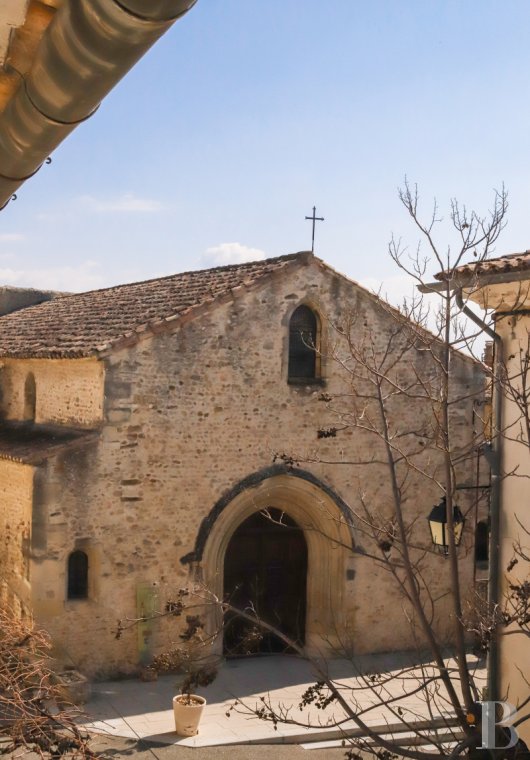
x=138 y=710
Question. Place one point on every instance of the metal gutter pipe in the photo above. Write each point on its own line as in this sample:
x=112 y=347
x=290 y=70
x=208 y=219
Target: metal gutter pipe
x=87 y=48
x=493 y=684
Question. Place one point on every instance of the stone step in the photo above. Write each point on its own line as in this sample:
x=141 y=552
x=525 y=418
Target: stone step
x=398 y=733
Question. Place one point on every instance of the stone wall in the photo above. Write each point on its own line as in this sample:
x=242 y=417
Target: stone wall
x=16 y=497
x=68 y=392
x=189 y=415
x=515 y=515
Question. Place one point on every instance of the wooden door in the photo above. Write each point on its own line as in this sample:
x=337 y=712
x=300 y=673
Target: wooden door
x=266 y=566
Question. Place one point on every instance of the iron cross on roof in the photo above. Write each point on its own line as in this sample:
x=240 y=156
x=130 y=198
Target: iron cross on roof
x=314 y=219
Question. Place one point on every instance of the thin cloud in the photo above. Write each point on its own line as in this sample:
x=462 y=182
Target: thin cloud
x=127 y=203
x=84 y=276
x=232 y=253
x=11 y=237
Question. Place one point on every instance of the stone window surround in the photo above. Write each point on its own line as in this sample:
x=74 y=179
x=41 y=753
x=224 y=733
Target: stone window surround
x=91 y=549
x=319 y=378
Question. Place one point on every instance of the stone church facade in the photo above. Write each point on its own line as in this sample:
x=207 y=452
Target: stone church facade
x=139 y=427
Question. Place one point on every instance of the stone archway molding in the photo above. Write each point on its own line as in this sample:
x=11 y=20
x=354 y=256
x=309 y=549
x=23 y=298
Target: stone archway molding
x=326 y=522
x=250 y=482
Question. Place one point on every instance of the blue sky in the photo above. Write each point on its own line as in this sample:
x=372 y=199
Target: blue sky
x=249 y=112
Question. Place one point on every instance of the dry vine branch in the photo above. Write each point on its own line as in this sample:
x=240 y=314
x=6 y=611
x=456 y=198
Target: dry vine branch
x=33 y=715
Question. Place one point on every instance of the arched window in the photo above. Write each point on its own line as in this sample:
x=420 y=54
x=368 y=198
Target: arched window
x=481 y=542
x=303 y=337
x=77 y=575
x=30 y=397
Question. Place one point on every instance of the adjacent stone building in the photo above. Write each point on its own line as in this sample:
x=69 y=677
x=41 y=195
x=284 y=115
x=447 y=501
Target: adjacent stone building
x=139 y=440
x=502 y=286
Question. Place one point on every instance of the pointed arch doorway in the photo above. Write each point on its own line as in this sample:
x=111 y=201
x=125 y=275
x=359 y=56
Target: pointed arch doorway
x=324 y=521
x=265 y=567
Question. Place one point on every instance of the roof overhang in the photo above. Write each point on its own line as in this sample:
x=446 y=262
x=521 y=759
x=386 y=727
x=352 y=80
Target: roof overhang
x=499 y=292
x=30 y=444
x=60 y=59
x=22 y=24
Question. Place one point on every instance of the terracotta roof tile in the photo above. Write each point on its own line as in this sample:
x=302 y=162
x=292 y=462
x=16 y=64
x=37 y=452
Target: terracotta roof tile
x=83 y=324
x=512 y=262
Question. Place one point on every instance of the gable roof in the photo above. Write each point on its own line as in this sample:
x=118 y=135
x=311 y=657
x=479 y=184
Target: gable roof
x=86 y=324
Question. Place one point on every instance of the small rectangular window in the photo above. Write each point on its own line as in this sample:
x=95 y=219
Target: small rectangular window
x=78 y=575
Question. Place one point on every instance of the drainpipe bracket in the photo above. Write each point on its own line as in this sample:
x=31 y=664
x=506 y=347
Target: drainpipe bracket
x=491 y=455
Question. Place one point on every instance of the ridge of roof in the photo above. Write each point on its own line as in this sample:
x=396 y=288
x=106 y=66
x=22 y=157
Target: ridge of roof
x=94 y=322
x=193 y=273
x=80 y=325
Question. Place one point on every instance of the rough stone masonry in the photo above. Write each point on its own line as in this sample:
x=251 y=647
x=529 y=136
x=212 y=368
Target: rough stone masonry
x=138 y=430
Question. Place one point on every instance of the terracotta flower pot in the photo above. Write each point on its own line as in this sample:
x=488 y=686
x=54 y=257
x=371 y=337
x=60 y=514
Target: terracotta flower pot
x=187 y=709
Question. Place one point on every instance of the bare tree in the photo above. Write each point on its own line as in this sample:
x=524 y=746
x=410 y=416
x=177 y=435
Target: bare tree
x=404 y=363
x=33 y=713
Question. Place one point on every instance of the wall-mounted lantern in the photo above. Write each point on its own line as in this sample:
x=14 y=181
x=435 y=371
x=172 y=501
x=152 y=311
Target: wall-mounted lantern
x=438 y=525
